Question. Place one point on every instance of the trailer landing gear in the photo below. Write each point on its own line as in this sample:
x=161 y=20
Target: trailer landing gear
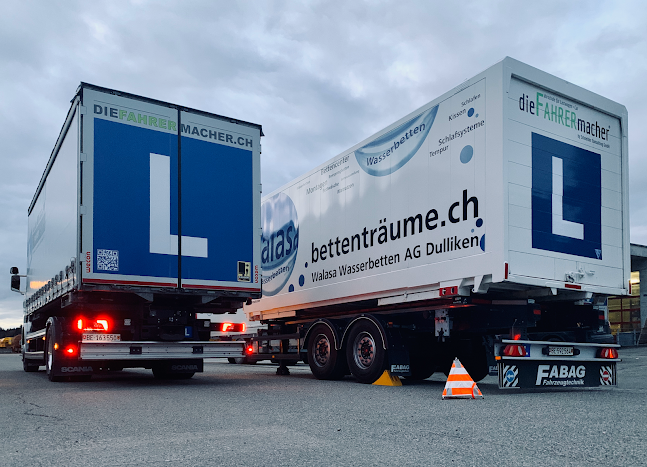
x=283 y=370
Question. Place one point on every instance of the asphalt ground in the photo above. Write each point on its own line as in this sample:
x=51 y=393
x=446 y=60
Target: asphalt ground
x=246 y=415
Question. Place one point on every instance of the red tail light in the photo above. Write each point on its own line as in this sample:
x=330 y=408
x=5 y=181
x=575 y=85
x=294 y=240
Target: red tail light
x=228 y=327
x=608 y=352
x=514 y=350
x=249 y=350
x=70 y=350
x=100 y=325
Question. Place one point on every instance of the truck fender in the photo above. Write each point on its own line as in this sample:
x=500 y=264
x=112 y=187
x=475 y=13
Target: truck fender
x=373 y=320
x=331 y=326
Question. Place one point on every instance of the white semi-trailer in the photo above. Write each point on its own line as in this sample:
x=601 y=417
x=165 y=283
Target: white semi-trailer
x=147 y=214
x=498 y=211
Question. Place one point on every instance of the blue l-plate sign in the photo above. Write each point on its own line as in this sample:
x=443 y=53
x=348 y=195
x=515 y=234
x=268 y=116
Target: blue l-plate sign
x=566 y=198
x=135 y=209
x=161 y=240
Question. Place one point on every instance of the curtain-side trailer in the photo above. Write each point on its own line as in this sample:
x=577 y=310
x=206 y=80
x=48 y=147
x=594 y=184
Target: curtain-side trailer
x=490 y=225
x=146 y=215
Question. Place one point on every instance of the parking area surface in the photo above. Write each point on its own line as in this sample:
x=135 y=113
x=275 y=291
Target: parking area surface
x=247 y=415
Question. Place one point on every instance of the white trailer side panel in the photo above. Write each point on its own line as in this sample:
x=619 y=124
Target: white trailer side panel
x=52 y=222
x=413 y=208
x=486 y=192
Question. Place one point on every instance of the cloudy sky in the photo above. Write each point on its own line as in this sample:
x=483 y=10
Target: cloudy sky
x=320 y=76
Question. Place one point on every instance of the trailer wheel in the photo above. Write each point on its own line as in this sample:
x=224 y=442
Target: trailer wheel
x=477 y=369
x=422 y=367
x=476 y=362
x=50 y=356
x=325 y=361
x=422 y=359
x=365 y=352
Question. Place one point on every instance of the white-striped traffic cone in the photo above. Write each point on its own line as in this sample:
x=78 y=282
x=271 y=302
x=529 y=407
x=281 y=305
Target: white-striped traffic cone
x=460 y=384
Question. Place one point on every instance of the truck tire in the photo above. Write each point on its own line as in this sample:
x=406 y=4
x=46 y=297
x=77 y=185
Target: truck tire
x=50 y=355
x=27 y=366
x=325 y=361
x=365 y=352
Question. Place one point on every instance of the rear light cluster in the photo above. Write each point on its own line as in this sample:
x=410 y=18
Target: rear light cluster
x=514 y=350
x=608 y=352
x=249 y=350
x=228 y=327
x=100 y=325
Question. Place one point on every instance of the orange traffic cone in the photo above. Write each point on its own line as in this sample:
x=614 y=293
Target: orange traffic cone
x=460 y=384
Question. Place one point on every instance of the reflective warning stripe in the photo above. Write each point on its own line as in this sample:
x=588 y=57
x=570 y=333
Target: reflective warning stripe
x=461 y=384
x=460 y=391
x=464 y=377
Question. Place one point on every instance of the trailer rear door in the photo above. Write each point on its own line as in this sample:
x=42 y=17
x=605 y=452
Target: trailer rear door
x=567 y=213
x=148 y=195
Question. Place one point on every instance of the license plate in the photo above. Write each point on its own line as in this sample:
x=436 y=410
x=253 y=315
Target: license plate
x=101 y=337
x=560 y=351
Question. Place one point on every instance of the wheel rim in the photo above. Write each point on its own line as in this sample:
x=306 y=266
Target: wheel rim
x=364 y=354
x=322 y=350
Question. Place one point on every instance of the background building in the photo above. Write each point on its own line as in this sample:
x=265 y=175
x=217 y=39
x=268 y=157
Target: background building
x=628 y=315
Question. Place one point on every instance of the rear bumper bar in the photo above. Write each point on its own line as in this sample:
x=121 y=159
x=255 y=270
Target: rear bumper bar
x=147 y=350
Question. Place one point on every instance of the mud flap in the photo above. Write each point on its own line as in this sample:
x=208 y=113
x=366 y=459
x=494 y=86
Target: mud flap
x=72 y=368
x=184 y=366
x=488 y=342
x=399 y=364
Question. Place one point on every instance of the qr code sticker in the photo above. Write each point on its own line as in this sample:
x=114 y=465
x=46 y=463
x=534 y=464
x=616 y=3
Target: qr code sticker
x=107 y=260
